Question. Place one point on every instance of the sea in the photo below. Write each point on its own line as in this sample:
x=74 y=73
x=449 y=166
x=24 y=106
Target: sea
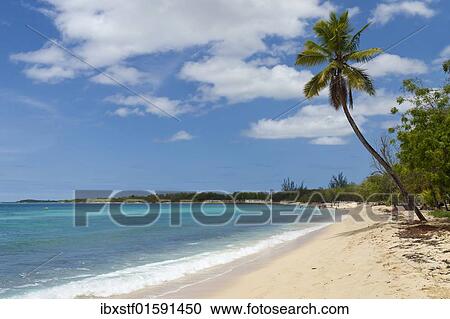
x=44 y=255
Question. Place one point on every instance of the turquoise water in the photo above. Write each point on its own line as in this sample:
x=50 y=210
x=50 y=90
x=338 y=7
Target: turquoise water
x=42 y=254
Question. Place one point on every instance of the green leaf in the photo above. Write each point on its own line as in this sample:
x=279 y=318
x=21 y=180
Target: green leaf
x=363 y=55
x=310 y=58
x=359 y=79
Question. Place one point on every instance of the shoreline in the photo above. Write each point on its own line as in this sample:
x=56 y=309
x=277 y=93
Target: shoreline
x=201 y=284
x=365 y=259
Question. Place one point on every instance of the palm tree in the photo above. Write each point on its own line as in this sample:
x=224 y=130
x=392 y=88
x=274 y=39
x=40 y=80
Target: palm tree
x=338 y=47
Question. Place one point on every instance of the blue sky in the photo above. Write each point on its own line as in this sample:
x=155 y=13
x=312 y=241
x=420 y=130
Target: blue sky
x=225 y=69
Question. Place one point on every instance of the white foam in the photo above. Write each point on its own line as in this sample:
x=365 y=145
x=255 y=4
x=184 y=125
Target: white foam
x=135 y=278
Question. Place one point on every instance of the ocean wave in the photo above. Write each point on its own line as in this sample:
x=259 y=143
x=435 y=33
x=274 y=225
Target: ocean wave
x=139 y=277
x=2 y=290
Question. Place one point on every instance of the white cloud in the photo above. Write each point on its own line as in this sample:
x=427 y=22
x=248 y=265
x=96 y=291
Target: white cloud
x=49 y=64
x=106 y=33
x=384 y=12
x=266 y=61
x=311 y=121
x=380 y=104
x=123 y=74
x=284 y=48
x=391 y=64
x=327 y=140
x=51 y=74
x=46 y=55
x=321 y=124
x=353 y=11
x=180 y=136
x=443 y=55
x=127 y=111
x=135 y=105
x=239 y=81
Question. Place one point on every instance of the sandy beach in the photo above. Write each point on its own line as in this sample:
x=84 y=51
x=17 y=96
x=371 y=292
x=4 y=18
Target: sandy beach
x=356 y=260
x=353 y=259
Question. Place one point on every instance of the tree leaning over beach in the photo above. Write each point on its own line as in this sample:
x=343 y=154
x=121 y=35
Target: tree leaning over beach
x=338 y=48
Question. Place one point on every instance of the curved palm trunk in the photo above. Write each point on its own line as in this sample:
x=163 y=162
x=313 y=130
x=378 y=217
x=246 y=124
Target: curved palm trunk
x=409 y=200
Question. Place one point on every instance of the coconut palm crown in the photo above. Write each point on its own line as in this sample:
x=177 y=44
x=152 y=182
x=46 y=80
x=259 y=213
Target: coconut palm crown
x=339 y=48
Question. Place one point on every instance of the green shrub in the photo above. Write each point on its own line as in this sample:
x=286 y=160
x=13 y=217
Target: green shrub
x=440 y=213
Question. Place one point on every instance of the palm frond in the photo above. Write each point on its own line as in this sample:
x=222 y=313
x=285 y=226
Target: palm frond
x=354 y=41
x=340 y=28
x=343 y=19
x=363 y=55
x=318 y=82
x=312 y=87
x=323 y=32
x=359 y=79
x=311 y=58
x=311 y=45
x=326 y=74
x=344 y=24
x=333 y=18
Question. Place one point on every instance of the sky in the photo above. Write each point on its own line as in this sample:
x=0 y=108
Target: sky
x=192 y=95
